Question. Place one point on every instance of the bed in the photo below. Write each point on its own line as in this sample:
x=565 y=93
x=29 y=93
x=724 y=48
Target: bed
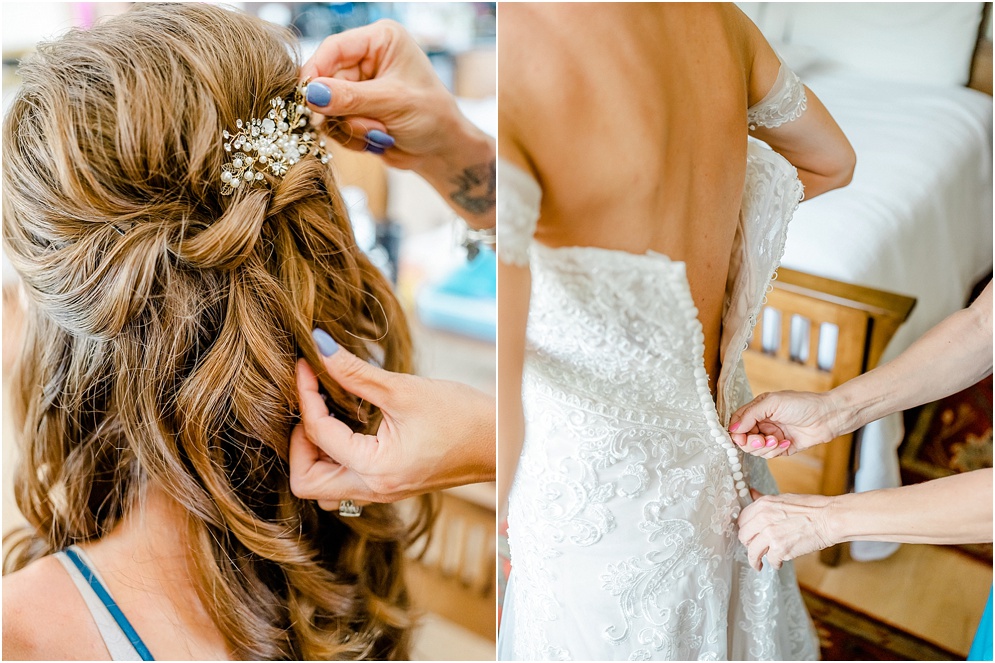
x=913 y=231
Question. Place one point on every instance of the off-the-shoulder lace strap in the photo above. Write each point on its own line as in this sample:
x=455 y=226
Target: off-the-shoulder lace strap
x=519 y=196
x=785 y=102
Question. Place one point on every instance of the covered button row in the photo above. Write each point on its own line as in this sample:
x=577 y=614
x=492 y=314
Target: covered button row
x=701 y=381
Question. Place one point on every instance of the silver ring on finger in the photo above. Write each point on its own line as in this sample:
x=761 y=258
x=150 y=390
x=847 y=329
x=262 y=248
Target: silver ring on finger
x=349 y=509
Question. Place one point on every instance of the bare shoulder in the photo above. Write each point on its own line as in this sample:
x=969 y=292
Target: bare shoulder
x=759 y=59
x=521 y=19
x=528 y=62
x=527 y=51
x=740 y=26
x=35 y=600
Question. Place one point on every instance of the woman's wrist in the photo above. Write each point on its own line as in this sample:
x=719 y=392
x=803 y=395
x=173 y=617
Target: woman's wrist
x=849 y=408
x=484 y=441
x=463 y=170
x=838 y=519
x=838 y=412
x=471 y=435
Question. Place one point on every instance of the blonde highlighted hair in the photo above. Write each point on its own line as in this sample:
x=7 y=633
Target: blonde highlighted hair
x=164 y=321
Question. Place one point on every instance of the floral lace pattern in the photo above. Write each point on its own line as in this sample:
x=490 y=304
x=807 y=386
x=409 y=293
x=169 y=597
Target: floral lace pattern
x=518 y=211
x=770 y=198
x=785 y=102
x=622 y=516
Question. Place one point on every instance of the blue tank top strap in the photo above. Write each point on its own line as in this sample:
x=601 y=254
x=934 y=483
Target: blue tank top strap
x=108 y=601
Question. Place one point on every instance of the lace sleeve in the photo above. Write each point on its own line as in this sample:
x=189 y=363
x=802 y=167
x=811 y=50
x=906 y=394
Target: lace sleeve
x=785 y=102
x=518 y=211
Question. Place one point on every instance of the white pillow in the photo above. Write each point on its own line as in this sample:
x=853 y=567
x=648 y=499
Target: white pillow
x=920 y=42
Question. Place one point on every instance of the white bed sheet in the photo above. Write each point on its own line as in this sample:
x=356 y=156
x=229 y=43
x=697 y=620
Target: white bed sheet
x=916 y=219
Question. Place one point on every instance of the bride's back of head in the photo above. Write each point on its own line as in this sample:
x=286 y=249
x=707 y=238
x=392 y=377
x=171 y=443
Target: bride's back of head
x=164 y=321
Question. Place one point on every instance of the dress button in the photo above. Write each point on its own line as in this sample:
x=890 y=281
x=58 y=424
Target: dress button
x=741 y=484
x=732 y=452
x=737 y=466
x=738 y=476
x=744 y=492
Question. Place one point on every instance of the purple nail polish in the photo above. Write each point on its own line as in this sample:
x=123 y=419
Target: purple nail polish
x=326 y=344
x=380 y=139
x=319 y=94
x=373 y=148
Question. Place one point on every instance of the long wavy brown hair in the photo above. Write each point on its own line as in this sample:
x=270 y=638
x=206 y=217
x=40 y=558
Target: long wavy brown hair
x=164 y=322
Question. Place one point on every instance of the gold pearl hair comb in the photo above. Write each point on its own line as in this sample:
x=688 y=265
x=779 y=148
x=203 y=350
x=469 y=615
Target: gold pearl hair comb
x=272 y=144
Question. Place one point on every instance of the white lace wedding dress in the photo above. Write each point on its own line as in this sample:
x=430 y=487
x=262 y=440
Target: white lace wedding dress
x=622 y=517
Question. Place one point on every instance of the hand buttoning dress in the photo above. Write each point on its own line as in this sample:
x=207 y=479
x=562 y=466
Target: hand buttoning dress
x=622 y=517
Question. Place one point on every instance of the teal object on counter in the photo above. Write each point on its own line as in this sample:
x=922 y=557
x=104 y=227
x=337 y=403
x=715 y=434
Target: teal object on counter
x=981 y=650
x=465 y=302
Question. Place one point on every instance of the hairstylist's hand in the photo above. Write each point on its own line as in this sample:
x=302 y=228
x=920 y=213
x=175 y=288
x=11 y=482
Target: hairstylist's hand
x=379 y=93
x=785 y=527
x=784 y=422
x=435 y=434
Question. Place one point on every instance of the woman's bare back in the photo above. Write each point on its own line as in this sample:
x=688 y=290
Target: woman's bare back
x=633 y=118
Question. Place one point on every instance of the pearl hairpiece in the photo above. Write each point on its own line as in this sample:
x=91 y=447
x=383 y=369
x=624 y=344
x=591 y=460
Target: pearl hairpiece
x=274 y=143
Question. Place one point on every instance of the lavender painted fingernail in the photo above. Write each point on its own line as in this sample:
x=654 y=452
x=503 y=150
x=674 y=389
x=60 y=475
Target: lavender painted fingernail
x=379 y=138
x=373 y=148
x=319 y=94
x=326 y=344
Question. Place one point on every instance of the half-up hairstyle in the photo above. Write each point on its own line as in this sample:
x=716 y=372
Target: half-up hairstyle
x=164 y=322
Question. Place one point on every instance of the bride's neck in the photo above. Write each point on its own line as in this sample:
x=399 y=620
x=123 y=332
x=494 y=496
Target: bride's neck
x=147 y=558
x=151 y=536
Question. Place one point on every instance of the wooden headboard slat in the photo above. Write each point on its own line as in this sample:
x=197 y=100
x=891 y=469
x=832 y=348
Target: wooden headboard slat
x=877 y=303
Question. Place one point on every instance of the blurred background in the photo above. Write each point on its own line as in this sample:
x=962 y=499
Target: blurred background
x=409 y=231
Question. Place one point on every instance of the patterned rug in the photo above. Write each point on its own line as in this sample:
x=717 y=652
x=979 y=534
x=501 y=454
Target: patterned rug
x=846 y=634
x=947 y=437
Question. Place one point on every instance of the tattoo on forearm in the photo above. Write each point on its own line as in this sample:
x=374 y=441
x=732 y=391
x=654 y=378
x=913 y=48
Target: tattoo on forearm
x=475 y=188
